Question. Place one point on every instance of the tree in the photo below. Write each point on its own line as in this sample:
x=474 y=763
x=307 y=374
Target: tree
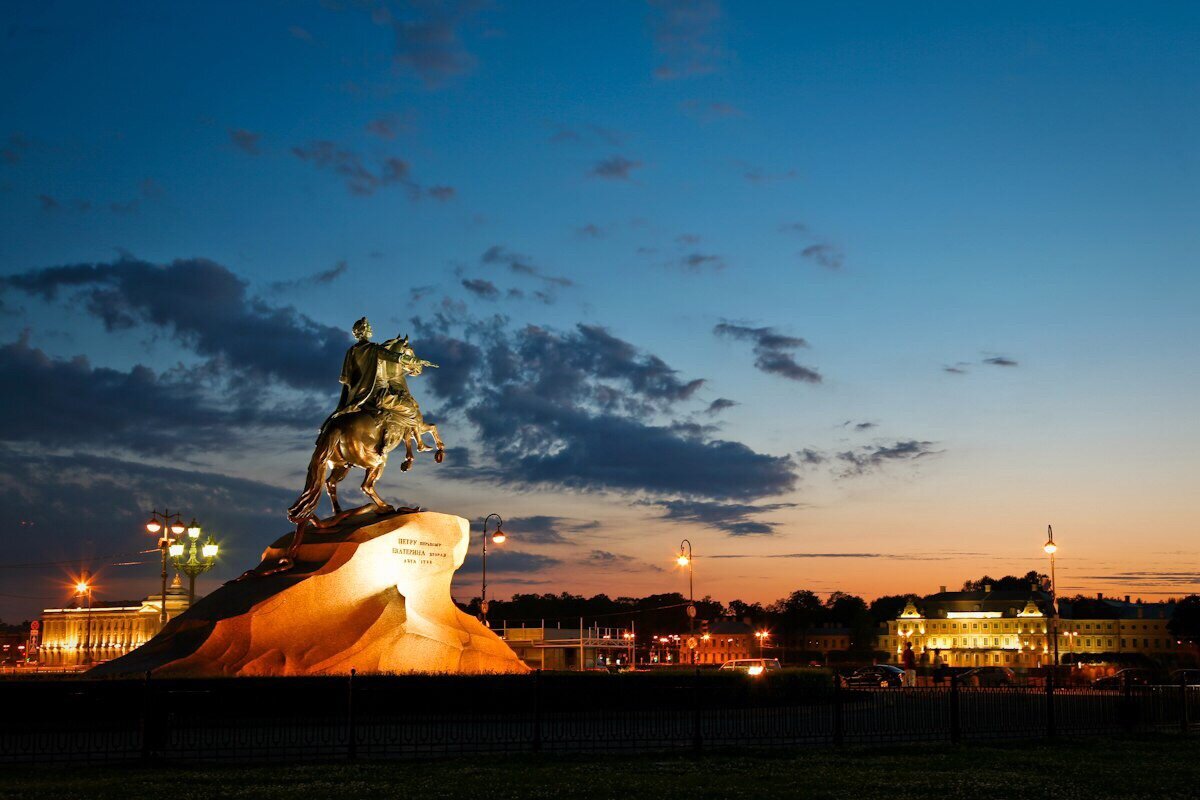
x=1185 y=622
x=1010 y=583
x=888 y=607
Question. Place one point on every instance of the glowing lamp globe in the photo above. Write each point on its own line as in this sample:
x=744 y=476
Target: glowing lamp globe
x=193 y=531
x=1051 y=548
x=176 y=550
x=81 y=587
x=178 y=528
x=153 y=526
x=209 y=550
x=683 y=560
x=499 y=536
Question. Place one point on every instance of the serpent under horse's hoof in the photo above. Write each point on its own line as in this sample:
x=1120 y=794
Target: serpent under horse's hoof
x=439 y=455
x=406 y=465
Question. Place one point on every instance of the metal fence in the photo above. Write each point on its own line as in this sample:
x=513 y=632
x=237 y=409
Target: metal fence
x=383 y=717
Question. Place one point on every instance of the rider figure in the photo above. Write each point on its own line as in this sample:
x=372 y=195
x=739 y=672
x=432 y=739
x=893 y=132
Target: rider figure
x=372 y=381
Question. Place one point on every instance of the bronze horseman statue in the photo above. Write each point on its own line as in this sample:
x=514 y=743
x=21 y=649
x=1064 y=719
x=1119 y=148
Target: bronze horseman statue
x=375 y=414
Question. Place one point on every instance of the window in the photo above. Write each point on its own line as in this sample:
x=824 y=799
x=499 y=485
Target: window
x=1123 y=643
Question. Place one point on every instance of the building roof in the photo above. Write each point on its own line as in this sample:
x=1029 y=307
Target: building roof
x=1116 y=609
x=1005 y=603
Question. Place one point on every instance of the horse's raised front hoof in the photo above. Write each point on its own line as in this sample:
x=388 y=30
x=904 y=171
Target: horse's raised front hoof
x=406 y=465
x=439 y=455
x=423 y=448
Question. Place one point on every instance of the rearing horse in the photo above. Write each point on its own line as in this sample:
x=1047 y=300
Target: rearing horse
x=361 y=439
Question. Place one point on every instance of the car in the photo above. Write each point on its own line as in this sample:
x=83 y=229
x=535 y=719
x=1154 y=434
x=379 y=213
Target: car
x=752 y=666
x=988 y=676
x=882 y=675
x=1134 y=676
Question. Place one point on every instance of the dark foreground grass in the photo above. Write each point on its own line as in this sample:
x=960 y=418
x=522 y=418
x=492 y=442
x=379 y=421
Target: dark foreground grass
x=1161 y=768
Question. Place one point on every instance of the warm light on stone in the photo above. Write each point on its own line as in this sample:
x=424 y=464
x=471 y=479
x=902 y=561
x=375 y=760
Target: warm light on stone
x=372 y=595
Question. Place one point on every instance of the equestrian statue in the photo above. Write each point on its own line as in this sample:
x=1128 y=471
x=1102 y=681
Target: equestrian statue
x=375 y=414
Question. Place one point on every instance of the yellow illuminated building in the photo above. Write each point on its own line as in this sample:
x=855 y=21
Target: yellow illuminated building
x=77 y=635
x=1012 y=629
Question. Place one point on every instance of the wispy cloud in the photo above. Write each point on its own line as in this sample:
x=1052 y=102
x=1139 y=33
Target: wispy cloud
x=687 y=37
x=615 y=168
x=772 y=351
x=246 y=141
x=869 y=458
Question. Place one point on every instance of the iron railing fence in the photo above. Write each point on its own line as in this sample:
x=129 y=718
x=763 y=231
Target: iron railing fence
x=384 y=717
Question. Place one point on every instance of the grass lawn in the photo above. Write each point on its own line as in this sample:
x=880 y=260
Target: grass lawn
x=1159 y=768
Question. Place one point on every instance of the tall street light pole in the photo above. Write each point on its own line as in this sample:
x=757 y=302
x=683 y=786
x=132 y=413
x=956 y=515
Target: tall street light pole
x=83 y=590
x=200 y=557
x=685 y=560
x=169 y=527
x=498 y=537
x=1051 y=548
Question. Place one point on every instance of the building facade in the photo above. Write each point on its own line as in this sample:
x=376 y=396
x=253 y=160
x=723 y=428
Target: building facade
x=78 y=635
x=570 y=648
x=719 y=641
x=1014 y=629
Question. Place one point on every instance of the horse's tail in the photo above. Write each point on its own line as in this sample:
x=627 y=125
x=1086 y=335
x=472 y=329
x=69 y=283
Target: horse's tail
x=306 y=504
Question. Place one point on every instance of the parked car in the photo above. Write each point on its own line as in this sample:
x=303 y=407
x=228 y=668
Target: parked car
x=1135 y=676
x=988 y=676
x=752 y=666
x=883 y=675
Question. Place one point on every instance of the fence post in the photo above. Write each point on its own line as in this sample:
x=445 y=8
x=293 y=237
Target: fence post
x=537 y=710
x=1183 y=698
x=839 y=733
x=144 y=720
x=955 y=730
x=351 y=732
x=1127 y=703
x=697 y=742
x=1050 y=704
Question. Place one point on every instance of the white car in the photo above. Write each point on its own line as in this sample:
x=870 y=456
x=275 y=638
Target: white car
x=752 y=666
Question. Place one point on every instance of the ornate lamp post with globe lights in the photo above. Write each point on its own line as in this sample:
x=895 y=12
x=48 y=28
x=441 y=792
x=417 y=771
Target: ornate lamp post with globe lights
x=83 y=592
x=168 y=527
x=199 y=558
x=1051 y=548
x=685 y=560
x=498 y=537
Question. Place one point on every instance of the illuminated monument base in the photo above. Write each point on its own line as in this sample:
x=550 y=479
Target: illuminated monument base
x=371 y=594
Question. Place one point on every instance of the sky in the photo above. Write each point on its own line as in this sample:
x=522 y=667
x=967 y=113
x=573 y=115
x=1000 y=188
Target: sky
x=853 y=296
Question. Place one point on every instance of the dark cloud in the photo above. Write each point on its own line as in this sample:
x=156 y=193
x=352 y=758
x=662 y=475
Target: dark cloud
x=697 y=262
x=870 y=458
x=14 y=148
x=793 y=227
x=506 y=560
x=389 y=126
x=1147 y=578
x=720 y=404
x=49 y=202
x=687 y=239
x=69 y=402
x=590 y=231
x=1000 y=361
x=481 y=288
x=350 y=167
x=732 y=518
x=687 y=37
x=772 y=351
x=497 y=255
x=811 y=457
x=246 y=141
x=579 y=410
x=826 y=255
x=859 y=426
x=958 y=369
x=542 y=529
x=709 y=111
x=205 y=307
x=442 y=193
x=611 y=560
x=615 y=168
x=428 y=37
x=321 y=278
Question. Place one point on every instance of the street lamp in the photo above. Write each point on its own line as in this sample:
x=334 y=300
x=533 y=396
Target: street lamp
x=1051 y=548
x=83 y=590
x=762 y=641
x=200 y=557
x=498 y=537
x=168 y=527
x=685 y=560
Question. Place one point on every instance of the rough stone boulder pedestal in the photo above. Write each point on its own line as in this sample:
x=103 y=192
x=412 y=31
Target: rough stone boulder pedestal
x=372 y=594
